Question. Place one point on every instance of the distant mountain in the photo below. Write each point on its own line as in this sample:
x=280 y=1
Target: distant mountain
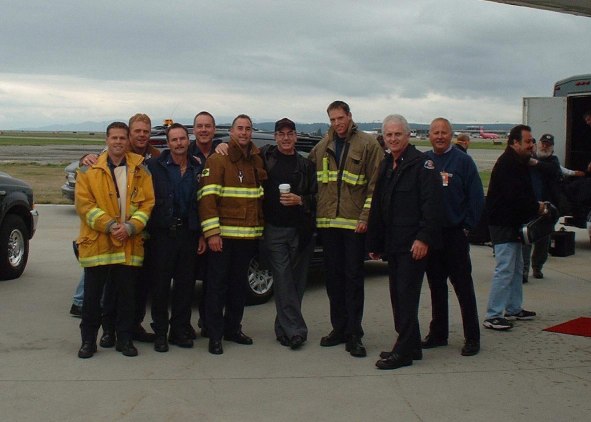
x=312 y=128
x=74 y=127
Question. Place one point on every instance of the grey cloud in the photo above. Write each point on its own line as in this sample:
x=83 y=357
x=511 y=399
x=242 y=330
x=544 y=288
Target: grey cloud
x=460 y=49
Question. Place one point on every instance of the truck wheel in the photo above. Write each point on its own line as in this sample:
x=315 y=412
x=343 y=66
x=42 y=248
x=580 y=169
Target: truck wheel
x=260 y=283
x=14 y=247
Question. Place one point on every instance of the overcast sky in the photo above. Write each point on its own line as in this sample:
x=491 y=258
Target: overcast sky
x=469 y=60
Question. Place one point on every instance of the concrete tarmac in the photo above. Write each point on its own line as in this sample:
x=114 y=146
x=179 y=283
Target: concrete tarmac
x=521 y=375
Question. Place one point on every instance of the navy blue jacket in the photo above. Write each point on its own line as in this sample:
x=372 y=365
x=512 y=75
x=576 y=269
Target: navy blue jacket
x=405 y=205
x=196 y=152
x=162 y=216
x=463 y=196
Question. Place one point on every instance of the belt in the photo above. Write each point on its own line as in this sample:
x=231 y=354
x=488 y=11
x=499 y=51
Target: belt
x=178 y=224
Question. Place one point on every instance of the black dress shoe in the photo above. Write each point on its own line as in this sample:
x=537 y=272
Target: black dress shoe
x=108 y=339
x=76 y=311
x=141 y=335
x=333 y=339
x=296 y=342
x=283 y=340
x=160 y=343
x=416 y=354
x=87 y=350
x=126 y=348
x=355 y=347
x=180 y=339
x=430 y=342
x=393 y=361
x=239 y=338
x=215 y=347
x=471 y=347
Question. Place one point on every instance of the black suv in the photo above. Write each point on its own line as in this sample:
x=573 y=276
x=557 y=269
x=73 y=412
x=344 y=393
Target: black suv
x=18 y=222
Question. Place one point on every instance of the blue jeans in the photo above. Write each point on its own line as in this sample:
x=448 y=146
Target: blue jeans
x=506 y=292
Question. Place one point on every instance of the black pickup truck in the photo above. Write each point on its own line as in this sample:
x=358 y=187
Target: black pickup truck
x=18 y=222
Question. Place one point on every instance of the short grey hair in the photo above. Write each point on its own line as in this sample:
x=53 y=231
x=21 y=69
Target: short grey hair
x=444 y=120
x=396 y=119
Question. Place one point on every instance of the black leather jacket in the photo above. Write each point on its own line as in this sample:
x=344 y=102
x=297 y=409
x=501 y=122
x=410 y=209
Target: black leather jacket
x=406 y=205
x=306 y=186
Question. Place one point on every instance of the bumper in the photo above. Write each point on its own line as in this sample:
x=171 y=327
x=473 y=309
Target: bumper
x=68 y=191
x=35 y=220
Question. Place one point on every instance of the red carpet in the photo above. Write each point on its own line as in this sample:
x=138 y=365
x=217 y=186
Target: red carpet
x=576 y=327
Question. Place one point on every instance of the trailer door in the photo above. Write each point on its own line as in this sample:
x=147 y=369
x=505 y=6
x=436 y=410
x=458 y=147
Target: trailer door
x=548 y=115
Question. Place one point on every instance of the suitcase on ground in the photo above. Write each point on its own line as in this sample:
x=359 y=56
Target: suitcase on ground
x=562 y=243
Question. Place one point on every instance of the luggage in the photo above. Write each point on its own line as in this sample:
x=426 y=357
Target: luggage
x=562 y=243
x=540 y=226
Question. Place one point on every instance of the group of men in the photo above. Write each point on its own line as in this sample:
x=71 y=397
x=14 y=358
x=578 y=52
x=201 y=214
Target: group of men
x=413 y=209
x=173 y=208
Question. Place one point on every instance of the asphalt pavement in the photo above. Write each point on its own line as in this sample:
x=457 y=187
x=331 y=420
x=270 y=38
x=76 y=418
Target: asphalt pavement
x=521 y=375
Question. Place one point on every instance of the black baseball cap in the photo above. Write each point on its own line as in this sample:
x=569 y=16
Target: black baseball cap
x=547 y=138
x=285 y=122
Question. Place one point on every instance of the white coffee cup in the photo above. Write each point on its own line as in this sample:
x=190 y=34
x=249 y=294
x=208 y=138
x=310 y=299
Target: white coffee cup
x=284 y=188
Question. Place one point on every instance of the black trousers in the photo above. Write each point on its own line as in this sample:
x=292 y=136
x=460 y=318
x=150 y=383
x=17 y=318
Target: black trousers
x=173 y=257
x=406 y=279
x=227 y=279
x=143 y=287
x=122 y=281
x=453 y=262
x=344 y=253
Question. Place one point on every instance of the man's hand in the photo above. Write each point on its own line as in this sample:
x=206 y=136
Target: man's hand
x=361 y=227
x=579 y=173
x=419 y=250
x=201 y=246
x=222 y=148
x=119 y=232
x=290 y=199
x=89 y=160
x=215 y=243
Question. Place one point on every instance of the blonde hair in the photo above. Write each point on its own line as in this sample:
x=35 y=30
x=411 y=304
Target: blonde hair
x=140 y=117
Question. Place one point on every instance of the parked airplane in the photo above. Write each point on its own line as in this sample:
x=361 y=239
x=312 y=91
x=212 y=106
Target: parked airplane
x=488 y=135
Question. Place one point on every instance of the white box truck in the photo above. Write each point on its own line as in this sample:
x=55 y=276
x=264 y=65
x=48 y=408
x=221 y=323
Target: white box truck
x=562 y=115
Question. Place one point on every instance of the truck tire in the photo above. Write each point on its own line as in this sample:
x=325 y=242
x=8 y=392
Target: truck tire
x=260 y=283
x=14 y=247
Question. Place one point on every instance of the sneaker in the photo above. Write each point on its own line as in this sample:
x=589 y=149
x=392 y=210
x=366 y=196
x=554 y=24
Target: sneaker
x=521 y=316
x=500 y=324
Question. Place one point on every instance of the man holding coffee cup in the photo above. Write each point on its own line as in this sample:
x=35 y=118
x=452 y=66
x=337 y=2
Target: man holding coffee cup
x=288 y=207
